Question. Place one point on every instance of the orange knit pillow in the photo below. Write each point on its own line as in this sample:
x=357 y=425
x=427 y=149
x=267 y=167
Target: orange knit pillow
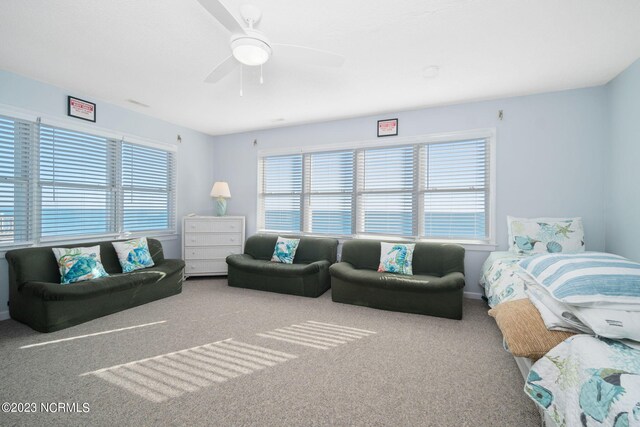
x=523 y=329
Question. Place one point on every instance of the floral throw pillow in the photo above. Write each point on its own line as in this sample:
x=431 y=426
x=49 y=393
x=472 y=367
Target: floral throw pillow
x=79 y=264
x=133 y=254
x=396 y=258
x=545 y=235
x=285 y=250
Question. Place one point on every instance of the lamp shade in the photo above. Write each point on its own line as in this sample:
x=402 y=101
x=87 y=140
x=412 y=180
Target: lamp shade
x=221 y=189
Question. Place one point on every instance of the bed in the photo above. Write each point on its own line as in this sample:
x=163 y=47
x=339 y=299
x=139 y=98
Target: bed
x=581 y=381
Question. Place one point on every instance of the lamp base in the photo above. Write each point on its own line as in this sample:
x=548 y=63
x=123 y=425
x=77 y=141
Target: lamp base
x=221 y=206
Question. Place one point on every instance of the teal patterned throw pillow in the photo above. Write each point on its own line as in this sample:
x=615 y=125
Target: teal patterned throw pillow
x=285 y=250
x=79 y=264
x=133 y=254
x=396 y=258
x=529 y=236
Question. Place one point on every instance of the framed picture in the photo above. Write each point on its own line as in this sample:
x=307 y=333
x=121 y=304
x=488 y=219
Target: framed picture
x=388 y=127
x=81 y=109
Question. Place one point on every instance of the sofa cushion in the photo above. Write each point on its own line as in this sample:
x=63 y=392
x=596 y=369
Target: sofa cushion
x=102 y=286
x=248 y=263
x=310 y=249
x=431 y=259
x=420 y=283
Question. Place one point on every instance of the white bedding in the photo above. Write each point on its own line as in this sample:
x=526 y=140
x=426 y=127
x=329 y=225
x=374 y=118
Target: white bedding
x=588 y=381
x=501 y=278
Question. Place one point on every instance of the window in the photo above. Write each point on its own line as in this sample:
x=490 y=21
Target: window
x=15 y=203
x=57 y=184
x=280 y=200
x=439 y=189
x=386 y=196
x=76 y=192
x=455 y=190
x=330 y=193
x=148 y=182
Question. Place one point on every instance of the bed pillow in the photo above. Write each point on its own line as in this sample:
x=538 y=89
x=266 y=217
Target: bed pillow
x=396 y=258
x=589 y=279
x=545 y=235
x=79 y=264
x=524 y=331
x=285 y=250
x=133 y=254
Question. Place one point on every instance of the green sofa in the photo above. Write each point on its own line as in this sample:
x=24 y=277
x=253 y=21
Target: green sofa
x=37 y=298
x=434 y=289
x=308 y=275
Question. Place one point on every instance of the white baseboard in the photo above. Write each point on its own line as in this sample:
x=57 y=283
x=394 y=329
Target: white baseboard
x=472 y=295
x=4 y=315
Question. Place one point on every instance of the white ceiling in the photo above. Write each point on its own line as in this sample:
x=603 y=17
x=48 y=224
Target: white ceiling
x=158 y=52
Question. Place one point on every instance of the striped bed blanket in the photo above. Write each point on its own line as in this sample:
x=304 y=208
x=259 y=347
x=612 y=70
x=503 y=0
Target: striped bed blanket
x=588 y=279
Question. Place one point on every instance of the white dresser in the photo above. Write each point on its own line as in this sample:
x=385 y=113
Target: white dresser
x=206 y=242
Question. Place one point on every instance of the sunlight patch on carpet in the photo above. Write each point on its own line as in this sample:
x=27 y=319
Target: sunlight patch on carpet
x=320 y=335
x=170 y=375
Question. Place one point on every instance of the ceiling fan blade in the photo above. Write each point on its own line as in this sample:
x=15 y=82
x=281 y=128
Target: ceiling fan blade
x=309 y=55
x=222 y=69
x=222 y=14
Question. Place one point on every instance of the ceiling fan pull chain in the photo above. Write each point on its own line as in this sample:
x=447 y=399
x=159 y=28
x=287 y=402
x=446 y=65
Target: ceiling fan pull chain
x=241 y=80
x=261 y=79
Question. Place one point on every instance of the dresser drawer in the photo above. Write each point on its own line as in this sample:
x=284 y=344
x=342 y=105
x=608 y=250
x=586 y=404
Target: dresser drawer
x=205 y=266
x=213 y=226
x=209 y=239
x=214 y=252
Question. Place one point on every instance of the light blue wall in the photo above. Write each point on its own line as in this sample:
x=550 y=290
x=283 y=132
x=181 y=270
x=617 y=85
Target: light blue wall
x=550 y=151
x=195 y=154
x=623 y=165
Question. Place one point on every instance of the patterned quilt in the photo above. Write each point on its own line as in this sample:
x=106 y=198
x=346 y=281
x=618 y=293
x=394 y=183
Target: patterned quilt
x=501 y=278
x=588 y=381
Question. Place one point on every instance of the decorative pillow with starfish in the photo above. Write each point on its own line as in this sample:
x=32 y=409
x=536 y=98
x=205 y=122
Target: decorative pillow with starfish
x=540 y=235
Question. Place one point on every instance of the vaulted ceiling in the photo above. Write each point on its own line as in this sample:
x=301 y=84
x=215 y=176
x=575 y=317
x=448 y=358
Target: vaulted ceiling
x=399 y=55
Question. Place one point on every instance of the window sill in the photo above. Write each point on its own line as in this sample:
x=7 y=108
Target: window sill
x=469 y=245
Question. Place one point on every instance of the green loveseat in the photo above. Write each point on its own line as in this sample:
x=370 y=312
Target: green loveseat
x=434 y=289
x=308 y=275
x=37 y=298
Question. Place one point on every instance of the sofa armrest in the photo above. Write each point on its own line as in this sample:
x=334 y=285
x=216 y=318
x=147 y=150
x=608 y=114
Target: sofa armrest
x=238 y=259
x=455 y=277
x=317 y=266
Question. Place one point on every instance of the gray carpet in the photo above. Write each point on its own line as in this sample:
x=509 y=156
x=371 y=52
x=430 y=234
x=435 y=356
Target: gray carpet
x=414 y=370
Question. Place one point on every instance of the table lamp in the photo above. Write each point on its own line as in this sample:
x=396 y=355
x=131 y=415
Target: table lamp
x=221 y=191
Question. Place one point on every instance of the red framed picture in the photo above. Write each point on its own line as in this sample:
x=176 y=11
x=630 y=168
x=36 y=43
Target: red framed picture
x=388 y=127
x=81 y=109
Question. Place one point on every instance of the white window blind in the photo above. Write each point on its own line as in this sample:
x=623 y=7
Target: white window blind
x=329 y=192
x=386 y=191
x=454 y=179
x=16 y=138
x=61 y=184
x=148 y=188
x=419 y=190
x=76 y=184
x=281 y=193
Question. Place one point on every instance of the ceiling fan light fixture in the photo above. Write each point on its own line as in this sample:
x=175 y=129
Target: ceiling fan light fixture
x=250 y=51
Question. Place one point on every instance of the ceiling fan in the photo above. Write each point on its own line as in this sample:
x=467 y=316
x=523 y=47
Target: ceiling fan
x=252 y=48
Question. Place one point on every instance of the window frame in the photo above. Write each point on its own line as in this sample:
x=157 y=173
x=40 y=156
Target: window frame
x=488 y=134
x=34 y=195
